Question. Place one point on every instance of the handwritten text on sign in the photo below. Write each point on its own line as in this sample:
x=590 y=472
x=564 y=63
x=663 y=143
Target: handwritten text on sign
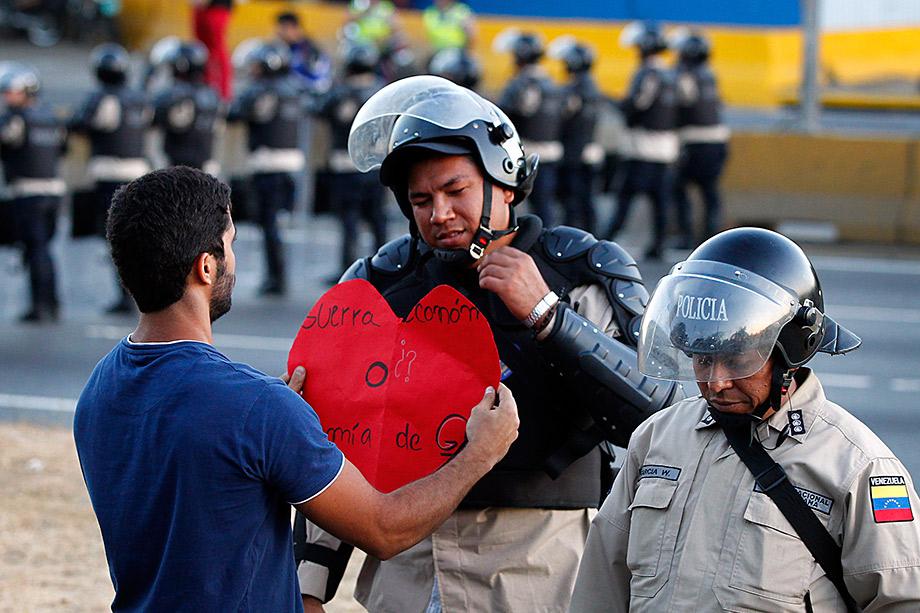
x=394 y=394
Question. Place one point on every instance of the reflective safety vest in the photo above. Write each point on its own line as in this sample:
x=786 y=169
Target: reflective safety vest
x=445 y=29
x=374 y=21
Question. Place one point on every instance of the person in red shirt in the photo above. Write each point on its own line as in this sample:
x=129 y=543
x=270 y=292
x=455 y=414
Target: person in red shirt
x=211 y=18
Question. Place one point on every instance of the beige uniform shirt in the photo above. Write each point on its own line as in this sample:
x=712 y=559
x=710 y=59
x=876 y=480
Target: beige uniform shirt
x=494 y=559
x=684 y=529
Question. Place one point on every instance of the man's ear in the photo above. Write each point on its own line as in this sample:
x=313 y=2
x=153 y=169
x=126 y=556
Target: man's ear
x=204 y=270
x=508 y=196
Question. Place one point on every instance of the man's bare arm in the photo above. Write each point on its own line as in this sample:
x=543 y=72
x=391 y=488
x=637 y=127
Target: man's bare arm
x=386 y=524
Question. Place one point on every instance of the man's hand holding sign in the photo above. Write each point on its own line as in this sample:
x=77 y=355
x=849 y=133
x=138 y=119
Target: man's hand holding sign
x=395 y=396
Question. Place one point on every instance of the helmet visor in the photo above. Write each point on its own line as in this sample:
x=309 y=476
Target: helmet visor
x=429 y=98
x=713 y=326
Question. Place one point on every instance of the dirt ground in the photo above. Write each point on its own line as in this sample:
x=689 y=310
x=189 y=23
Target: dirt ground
x=51 y=554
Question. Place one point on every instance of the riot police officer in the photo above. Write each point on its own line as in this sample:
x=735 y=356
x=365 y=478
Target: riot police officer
x=190 y=110
x=272 y=109
x=582 y=155
x=534 y=105
x=354 y=195
x=564 y=308
x=31 y=142
x=759 y=494
x=703 y=137
x=115 y=118
x=650 y=111
x=457 y=65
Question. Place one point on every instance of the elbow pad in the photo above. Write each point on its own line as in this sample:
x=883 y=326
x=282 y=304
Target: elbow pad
x=604 y=371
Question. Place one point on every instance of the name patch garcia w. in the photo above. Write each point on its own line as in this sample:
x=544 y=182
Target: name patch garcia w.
x=655 y=471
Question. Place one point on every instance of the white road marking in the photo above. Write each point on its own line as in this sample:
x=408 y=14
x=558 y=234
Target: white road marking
x=856 y=382
x=38 y=403
x=875 y=313
x=907 y=386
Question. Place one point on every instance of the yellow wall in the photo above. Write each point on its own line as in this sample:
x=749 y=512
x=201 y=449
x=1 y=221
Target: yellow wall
x=756 y=67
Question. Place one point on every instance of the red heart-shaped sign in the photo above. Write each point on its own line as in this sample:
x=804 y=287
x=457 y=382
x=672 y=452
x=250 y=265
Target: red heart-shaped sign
x=394 y=394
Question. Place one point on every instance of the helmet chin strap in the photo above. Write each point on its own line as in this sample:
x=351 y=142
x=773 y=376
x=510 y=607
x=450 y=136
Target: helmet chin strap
x=484 y=234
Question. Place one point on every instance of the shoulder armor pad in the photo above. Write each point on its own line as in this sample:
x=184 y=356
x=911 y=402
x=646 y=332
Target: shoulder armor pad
x=609 y=259
x=358 y=270
x=564 y=243
x=394 y=256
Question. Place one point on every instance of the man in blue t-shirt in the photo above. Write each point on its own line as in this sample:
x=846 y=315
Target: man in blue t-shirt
x=193 y=461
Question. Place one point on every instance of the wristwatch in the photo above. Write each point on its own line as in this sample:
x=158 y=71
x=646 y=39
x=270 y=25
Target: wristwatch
x=546 y=303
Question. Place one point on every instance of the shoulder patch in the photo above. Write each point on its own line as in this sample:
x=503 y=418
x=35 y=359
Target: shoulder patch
x=656 y=471
x=564 y=243
x=890 y=499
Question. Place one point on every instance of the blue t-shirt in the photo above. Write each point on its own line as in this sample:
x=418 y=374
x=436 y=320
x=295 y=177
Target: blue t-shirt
x=192 y=462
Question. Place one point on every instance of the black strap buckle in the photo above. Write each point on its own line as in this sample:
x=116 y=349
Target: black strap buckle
x=770 y=478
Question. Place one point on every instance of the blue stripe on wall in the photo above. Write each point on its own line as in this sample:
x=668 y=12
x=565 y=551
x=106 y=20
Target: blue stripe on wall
x=748 y=12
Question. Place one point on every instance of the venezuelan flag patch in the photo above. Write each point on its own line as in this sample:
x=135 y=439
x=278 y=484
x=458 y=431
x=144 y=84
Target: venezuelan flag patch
x=890 y=500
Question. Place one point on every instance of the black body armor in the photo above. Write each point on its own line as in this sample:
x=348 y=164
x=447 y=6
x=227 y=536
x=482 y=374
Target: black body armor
x=115 y=118
x=31 y=142
x=534 y=105
x=556 y=461
x=660 y=111
x=698 y=102
x=581 y=107
x=272 y=107
x=188 y=113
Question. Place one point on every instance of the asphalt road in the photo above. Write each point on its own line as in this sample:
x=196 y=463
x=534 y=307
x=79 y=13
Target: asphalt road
x=873 y=290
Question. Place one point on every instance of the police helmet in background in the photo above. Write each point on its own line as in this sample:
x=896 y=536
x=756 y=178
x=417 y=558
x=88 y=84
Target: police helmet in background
x=526 y=47
x=578 y=58
x=692 y=47
x=360 y=58
x=456 y=65
x=189 y=60
x=429 y=114
x=110 y=63
x=646 y=36
x=261 y=58
x=16 y=77
x=740 y=296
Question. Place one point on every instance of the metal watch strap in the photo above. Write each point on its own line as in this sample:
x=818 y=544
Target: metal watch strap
x=546 y=303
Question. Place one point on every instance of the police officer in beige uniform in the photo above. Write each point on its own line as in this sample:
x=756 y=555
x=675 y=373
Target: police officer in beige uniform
x=563 y=308
x=687 y=527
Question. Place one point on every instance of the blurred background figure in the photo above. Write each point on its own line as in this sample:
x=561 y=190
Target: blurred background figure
x=533 y=103
x=308 y=60
x=650 y=111
x=449 y=25
x=210 y=21
x=457 y=65
x=272 y=109
x=374 y=22
x=189 y=111
x=352 y=195
x=31 y=142
x=582 y=156
x=703 y=138
x=115 y=118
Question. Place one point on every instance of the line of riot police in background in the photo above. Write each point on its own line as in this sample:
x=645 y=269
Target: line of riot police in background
x=291 y=78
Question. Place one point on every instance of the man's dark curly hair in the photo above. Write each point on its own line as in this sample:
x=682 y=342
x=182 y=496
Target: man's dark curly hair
x=158 y=224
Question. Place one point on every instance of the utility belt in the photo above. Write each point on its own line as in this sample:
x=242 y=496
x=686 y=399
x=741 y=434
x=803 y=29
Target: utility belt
x=340 y=162
x=651 y=145
x=116 y=169
x=265 y=160
x=718 y=133
x=548 y=150
x=30 y=186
